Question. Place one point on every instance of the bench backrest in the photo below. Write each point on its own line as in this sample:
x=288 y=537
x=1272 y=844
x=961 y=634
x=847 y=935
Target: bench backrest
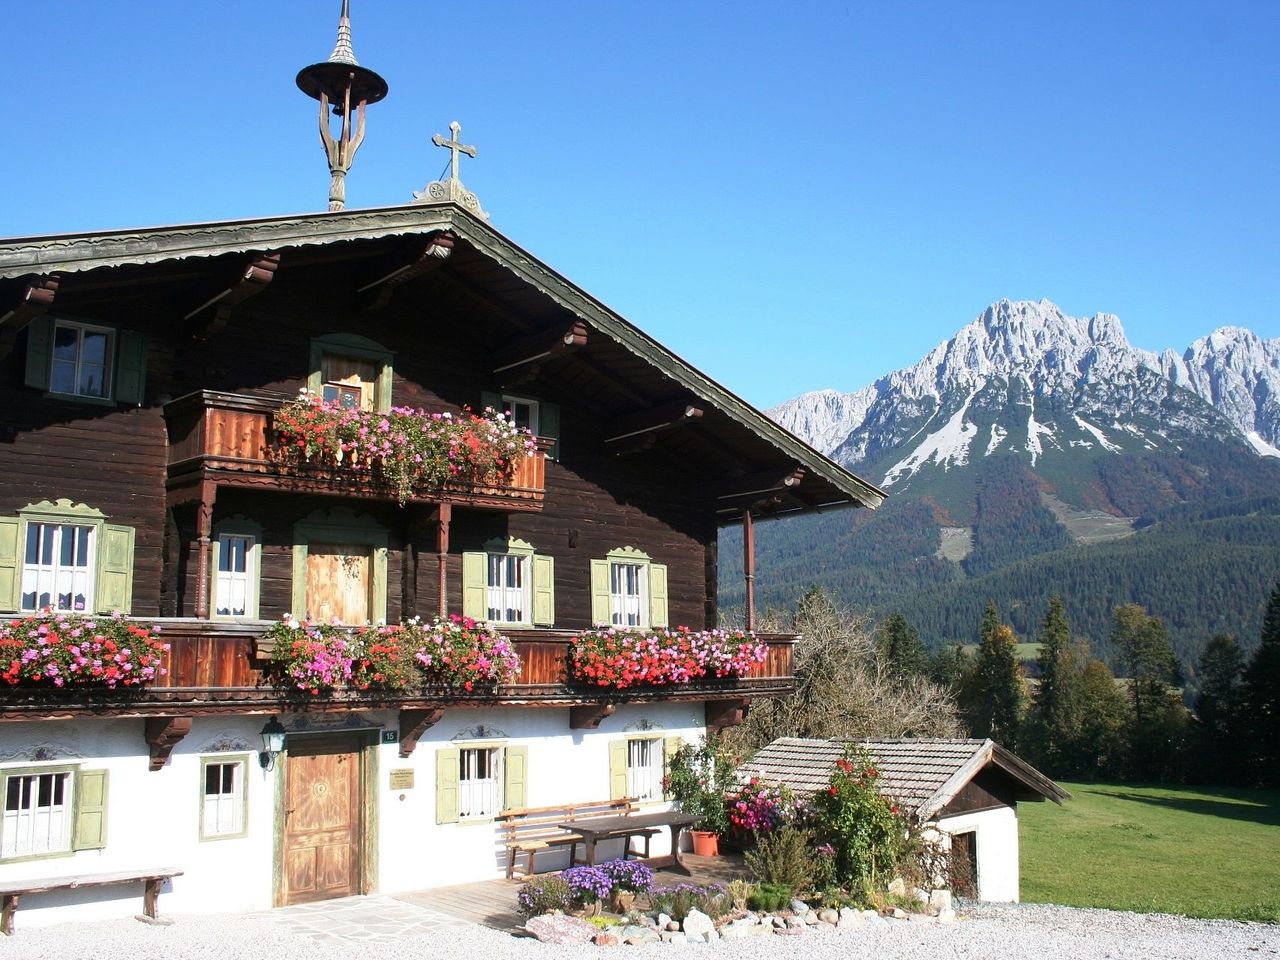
x=523 y=821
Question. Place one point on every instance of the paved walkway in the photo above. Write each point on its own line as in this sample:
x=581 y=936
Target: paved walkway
x=376 y=919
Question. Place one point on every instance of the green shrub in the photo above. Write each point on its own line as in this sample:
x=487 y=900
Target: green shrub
x=769 y=898
x=783 y=858
x=677 y=901
x=697 y=779
x=868 y=833
x=542 y=895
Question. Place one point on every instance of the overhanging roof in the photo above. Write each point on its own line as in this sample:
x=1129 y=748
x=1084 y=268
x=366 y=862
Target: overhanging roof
x=923 y=774
x=828 y=484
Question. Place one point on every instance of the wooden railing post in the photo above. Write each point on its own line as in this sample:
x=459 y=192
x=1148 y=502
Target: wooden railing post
x=749 y=565
x=204 y=546
x=444 y=516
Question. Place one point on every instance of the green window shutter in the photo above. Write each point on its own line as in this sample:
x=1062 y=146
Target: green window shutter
x=670 y=745
x=490 y=399
x=39 y=352
x=658 y=595
x=447 y=785
x=115 y=569
x=617 y=769
x=131 y=367
x=549 y=426
x=91 y=810
x=515 y=761
x=475 y=585
x=544 y=590
x=10 y=581
x=600 y=592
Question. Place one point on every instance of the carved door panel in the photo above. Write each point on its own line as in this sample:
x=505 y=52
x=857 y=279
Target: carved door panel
x=322 y=840
x=338 y=580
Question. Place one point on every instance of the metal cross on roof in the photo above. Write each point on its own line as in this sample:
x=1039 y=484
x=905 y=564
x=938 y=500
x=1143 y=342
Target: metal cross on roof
x=455 y=146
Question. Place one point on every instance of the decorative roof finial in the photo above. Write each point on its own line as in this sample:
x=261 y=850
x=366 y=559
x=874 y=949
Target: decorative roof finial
x=341 y=82
x=452 y=189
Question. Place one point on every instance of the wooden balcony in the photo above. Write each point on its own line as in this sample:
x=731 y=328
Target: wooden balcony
x=215 y=667
x=227 y=438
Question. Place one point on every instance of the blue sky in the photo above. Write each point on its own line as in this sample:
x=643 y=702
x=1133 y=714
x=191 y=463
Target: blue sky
x=791 y=196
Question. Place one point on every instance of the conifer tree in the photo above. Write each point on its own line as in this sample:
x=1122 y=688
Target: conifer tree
x=901 y=649
x=993 y=690
x=1054 y=717
x=1218 y=708
x=1262 y=697
x=1160 y=723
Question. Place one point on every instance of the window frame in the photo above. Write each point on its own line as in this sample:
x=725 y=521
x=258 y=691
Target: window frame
x=238 y=760
x=522 y=550
x=654 y=596
x=238 y=526
x=71 y=808
x=357 y=348
x=657 y=747
x=109 y=362
x=508 y=402
x=496 y=749
x=89 y=570
x=618 y=601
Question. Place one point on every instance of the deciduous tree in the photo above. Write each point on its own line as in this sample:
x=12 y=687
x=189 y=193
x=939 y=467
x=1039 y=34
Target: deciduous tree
x=1262 y=697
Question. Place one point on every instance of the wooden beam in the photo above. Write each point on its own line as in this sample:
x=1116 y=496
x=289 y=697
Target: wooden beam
x=377 y=293
x=541 y=347
x=255 y=276
x=749 y=565
x=204 y=546
x=610 y=380
x=663 y=417
x=752 y=501
x=413 y=724
x=761 y=482
x=486 y=299
x=721 y=714
x=163 y=734
x=589 y=715
x=34 y=301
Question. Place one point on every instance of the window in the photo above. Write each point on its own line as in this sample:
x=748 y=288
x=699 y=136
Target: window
x=222 y=809
x=644 y=769
x=524 y=413
x=58 y=567
x=348 y=382
x=479 y=781
x=235 y=571
x=628 y=590
x=37 y=814
x=351 y=371
x=509 y=583
x=81 y=360
x=508 y=588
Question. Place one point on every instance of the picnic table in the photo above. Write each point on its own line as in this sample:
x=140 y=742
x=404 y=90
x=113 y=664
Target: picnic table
x=611 y=828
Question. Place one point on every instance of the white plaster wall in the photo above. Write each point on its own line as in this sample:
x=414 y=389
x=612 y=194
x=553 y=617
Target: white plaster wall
x=997 y=836
x=153 y=817
x=153 y=820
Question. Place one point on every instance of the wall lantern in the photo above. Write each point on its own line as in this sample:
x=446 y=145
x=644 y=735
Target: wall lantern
x=273 y=735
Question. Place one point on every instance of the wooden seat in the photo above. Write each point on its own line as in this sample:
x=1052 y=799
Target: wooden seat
x=152 y=880
x=529 y=830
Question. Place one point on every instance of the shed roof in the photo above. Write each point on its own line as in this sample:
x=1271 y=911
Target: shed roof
x=922 y=774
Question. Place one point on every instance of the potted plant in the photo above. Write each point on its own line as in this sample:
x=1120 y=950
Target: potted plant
x=697 y=780
x=629 y=877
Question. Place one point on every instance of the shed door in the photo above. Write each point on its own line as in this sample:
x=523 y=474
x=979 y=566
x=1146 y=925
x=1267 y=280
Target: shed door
x=322 y=838
x=338 y=582
x=964 y=864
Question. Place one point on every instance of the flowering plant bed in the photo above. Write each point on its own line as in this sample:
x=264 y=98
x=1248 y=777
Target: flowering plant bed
x=411 y=450
x=65 y=650
x=455 y=652
x=622 y=657
x=754 y=807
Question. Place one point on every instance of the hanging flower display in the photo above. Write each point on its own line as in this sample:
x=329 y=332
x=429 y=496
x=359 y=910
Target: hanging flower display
x=410 y=450
x=64 y=650
x=623 y=657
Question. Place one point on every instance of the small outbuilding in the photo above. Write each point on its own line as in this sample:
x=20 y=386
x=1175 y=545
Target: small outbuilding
x=967 y=789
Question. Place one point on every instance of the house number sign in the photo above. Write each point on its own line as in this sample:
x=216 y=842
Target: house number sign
x=402 y=779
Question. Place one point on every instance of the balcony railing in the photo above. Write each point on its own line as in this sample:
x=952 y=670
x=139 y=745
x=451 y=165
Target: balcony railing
x=218 y=667
x=228 y=438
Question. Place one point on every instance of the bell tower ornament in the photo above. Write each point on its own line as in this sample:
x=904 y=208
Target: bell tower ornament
x=452 y=189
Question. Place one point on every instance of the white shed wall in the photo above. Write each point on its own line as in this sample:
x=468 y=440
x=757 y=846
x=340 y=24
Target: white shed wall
x=997 y=838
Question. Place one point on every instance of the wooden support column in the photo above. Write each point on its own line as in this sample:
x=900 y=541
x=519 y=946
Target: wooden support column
x=749 y=565
x=444 y=516
x=204 y=546
x=163 y=734
x=413 y=724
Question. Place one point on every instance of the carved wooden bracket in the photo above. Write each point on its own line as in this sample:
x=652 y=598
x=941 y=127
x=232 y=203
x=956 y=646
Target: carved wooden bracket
x=589 y=715
x=722 y=714
x=377 y=293
x=413 y=724
x=761 y=483
x=253 y=279
x=540 y=347
x=163 y=734
x=658 y=418
x=35 y=300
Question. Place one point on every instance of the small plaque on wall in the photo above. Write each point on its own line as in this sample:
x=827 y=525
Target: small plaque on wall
x=402 y=779
x=390 y=736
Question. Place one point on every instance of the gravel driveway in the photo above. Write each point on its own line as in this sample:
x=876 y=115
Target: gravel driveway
x=998 y=932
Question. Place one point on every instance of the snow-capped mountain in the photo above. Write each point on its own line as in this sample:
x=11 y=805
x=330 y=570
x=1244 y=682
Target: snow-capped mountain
x=1026 y=378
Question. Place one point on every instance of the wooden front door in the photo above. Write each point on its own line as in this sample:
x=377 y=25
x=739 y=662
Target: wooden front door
x=338 y=582
x=322 y=844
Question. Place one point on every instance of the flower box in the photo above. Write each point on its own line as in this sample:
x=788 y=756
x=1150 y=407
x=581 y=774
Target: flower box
x=622 y=657
x=68 y=650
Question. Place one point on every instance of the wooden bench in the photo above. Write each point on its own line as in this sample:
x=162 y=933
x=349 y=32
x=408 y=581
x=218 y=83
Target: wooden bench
x=151 y=879
x=528 y=830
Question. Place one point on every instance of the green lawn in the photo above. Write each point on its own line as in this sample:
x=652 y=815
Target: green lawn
x=1203 y=852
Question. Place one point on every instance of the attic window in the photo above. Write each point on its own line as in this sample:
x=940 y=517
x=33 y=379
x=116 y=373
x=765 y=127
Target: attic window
x=351 y=371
